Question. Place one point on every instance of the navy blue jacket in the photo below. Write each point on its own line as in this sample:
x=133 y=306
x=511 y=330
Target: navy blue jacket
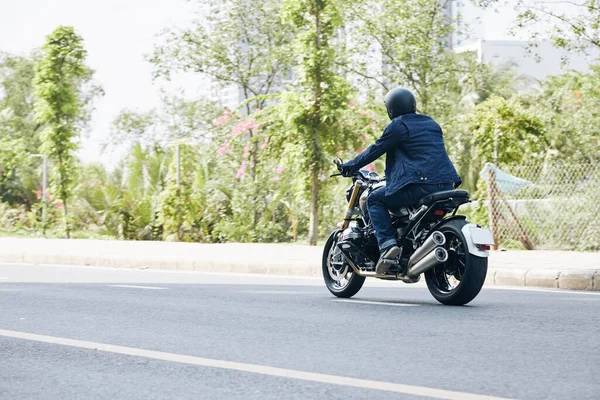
x=415 y=153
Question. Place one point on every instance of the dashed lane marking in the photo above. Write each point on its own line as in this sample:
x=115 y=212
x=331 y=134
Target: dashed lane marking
x=139 y=287
x=379 y=303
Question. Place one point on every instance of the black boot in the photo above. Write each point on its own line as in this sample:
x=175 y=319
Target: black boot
x=388 y=255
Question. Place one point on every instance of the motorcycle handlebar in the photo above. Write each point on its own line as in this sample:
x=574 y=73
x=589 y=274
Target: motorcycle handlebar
x=338 y=161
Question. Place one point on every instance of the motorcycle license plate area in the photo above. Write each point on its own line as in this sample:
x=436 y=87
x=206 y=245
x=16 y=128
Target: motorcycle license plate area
x=482 y=236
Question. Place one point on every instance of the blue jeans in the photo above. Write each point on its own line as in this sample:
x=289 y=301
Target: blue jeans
x=379 y=206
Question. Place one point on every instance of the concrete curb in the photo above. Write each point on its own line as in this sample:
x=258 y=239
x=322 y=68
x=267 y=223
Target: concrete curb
x=571 y=279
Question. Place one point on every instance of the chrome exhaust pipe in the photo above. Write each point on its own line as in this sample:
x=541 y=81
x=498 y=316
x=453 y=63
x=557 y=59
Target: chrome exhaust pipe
x=436 y=239
x=437 y=256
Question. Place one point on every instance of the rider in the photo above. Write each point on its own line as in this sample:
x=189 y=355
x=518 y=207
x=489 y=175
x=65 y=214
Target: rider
x=416 y=165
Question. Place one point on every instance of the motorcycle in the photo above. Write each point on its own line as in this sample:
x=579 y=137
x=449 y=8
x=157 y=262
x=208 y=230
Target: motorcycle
x=435 y=241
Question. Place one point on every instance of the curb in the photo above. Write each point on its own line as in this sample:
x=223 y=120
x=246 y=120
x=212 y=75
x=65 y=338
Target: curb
x=568 y=279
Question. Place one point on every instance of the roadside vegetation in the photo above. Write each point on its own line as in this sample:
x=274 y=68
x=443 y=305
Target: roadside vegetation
x=259 y=172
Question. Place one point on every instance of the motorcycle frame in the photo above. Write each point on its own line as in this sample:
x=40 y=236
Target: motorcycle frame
x=413 y=225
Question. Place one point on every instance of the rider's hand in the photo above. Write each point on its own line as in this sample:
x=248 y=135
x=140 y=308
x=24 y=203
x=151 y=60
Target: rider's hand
x=345 y=170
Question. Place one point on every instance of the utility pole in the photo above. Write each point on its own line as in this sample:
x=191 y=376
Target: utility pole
x=44 y=189
x=178 y=152
x=44 y=193
x=178 y=144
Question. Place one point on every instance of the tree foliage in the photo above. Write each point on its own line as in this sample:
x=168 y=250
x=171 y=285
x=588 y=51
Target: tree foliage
x=19 y=131
x=60 y=75
x=409 y=43
x=257 y=171
x=311 y=114
x=568 y=108
x=237 y=42
x=572 y=25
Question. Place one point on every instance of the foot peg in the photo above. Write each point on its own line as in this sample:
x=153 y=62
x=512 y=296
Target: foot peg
x=387 y=260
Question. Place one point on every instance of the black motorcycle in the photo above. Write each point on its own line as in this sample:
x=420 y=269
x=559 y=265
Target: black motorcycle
x=451 y=252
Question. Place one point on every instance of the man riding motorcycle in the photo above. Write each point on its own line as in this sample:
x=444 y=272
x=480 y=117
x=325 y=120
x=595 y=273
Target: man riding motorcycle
x=417 y=165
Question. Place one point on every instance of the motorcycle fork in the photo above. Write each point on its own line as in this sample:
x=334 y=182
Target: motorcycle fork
x=352 y=203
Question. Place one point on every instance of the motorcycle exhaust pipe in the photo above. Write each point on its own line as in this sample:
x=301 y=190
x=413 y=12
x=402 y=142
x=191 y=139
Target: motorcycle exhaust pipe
x=437 y=256
x=357 y=270
x=436 y=239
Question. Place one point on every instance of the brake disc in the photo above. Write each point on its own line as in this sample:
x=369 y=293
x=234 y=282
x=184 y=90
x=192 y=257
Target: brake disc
x=337 y=267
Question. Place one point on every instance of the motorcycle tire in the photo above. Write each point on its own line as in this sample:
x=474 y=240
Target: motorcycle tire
x=463 y=267
x=354 y=282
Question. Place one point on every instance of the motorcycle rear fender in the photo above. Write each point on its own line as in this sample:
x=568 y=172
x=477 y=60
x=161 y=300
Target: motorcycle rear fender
x=483 y=237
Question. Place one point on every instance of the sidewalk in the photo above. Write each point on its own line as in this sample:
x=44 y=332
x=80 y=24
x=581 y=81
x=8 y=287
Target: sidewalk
x=547 y=269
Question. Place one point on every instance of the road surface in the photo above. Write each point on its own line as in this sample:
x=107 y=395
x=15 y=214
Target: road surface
x=68 y=332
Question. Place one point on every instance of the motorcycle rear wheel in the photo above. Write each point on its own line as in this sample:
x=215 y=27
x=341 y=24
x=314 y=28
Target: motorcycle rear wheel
x=460 y=279
x=346 y=287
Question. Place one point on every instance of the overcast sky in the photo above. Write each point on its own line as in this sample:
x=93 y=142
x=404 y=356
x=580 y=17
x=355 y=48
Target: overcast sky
x=117 y=34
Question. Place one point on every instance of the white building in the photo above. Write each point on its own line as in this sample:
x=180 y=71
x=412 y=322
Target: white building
x=486 y=32
x=534 y=63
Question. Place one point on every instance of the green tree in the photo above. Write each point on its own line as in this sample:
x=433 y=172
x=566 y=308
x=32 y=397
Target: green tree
x=407 y=43
x=19 y=131
x=310 y=116
x=176 y=118
x=60 y=105
x=572 y=25
x=567 y=105
x=239 y=45
x=506 y=132
x=134 y=127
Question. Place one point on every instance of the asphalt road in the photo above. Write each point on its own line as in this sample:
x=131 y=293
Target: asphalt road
x=68 y=332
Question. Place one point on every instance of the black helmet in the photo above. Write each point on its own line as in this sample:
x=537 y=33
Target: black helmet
x=400 y=101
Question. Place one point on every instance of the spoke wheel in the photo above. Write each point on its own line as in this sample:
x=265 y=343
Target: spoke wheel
x=460 y=279
x=338 y=269
x=339 y=277
x=449 y=274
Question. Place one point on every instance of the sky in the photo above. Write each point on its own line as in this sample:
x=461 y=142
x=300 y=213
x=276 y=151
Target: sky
x=117 y=34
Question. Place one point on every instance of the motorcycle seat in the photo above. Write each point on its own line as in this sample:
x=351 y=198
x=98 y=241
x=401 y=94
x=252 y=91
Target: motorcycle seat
x=458 y=196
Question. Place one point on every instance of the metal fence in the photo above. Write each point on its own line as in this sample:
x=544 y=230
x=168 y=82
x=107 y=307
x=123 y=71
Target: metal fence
x=544 y=206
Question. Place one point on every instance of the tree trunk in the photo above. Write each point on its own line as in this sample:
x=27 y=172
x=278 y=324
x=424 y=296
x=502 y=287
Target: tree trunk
x=313 y=228
x=253 y=162
x=63 y=193
x=67 y=230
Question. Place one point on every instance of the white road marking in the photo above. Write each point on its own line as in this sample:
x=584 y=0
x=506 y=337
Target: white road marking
x=580 y=298
x=254 y=368
x=139 y=287
x=534 y=289
x=280 y=292
x=381 y=303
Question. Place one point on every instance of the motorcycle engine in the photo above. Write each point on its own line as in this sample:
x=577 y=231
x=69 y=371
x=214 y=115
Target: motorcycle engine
x=352 y=233
x=361 y=245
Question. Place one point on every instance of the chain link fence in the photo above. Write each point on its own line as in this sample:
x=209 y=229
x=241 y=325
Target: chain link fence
x=544 y=206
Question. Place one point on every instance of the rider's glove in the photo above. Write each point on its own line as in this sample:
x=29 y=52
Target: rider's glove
x=345 y=170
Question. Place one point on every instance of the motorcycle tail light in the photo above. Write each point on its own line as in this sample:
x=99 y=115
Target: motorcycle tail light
x=440 y=212
x=484 y=247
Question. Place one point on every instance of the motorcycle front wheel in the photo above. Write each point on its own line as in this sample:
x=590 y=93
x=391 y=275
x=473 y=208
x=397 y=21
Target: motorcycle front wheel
x=460 y=279
x=340 y=279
